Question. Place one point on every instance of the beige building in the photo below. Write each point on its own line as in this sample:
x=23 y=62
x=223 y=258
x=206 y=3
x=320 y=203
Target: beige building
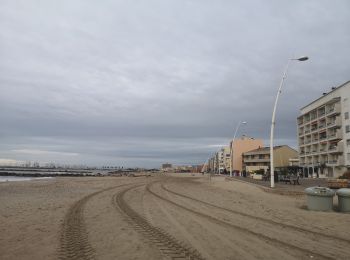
x=324 y=134
x=240 y=146
x=260 y=158
x=294 y=162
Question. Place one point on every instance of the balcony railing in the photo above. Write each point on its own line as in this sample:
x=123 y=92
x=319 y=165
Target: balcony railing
x=334 y=109
x=336 y=135
x=335 y=162
x=257 y=160
x=336 y=148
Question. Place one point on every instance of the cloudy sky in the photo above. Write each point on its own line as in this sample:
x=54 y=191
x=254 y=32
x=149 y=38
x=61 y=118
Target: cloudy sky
x=142 y=82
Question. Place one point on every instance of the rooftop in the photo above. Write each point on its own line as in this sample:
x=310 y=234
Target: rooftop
x=326 y=94
x=261 y=150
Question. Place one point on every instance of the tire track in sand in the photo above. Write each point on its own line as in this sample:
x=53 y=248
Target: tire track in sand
x=266 y=238
x=269 y=221
x=74 y=242
x=170 y=247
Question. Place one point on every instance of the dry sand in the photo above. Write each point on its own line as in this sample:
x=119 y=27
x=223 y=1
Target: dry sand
x=162 y=217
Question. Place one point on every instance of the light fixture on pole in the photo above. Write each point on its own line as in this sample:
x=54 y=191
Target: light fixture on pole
x=272 y=170
x=233 y=140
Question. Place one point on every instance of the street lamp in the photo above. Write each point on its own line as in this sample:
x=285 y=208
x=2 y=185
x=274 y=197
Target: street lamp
x=233 y=140
x=272 y=170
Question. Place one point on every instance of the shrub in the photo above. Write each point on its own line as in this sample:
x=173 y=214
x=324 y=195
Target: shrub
x=346 y=175
x=260 y=171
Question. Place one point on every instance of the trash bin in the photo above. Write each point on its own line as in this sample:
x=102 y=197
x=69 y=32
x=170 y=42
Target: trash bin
x=344 y=199
x=319 y=198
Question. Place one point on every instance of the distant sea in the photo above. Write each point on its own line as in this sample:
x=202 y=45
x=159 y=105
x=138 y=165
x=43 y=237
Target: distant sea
x=18 y=178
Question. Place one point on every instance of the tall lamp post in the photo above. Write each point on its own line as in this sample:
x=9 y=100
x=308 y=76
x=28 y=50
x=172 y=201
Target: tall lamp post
x=233 y=140
x=272 y=170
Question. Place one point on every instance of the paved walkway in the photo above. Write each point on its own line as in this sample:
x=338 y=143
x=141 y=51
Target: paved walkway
x=281 y=187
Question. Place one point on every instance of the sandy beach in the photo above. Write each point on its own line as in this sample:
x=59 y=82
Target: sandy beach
x=163 y=217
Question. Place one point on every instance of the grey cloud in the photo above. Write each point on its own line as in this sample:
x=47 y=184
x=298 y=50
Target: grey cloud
x=81 y=77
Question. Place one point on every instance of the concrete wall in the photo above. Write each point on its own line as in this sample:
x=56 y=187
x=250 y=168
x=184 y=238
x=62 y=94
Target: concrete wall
x=282 y=156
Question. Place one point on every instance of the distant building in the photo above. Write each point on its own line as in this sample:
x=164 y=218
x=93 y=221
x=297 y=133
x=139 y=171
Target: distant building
x=166 y=166
x=227 y=158
x=324 y=134
x=260 y=158
x=240 y=146
x=197 y=168
x=220 y=161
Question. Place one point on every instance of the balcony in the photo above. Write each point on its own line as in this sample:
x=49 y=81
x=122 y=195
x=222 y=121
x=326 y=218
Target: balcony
x=320 y=114
x=335 y=122
x=323 y=137
x=323 y=149
x=322 y=126
x=335 y=135
x=336 y=162
x=336 y=148
x=335 y=109
x=257 y=160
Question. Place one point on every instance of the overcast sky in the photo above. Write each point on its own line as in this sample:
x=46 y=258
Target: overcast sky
x=143 y=82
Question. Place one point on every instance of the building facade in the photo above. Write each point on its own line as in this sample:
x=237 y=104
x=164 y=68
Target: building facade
x=227 y=158
x=221 y=161
x=167 y=166
x=240 y=146
x=260 y=158
x=324 y=134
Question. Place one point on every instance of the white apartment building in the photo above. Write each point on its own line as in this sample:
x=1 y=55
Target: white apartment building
x=221 y=162
x=324 y=134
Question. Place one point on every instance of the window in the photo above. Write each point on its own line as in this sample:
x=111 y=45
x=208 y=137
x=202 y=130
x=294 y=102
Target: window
x=348 y=142
x=347 y=129
x=346 y=115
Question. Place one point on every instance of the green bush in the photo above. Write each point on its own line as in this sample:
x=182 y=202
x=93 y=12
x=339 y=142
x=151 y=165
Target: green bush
x=260 y=171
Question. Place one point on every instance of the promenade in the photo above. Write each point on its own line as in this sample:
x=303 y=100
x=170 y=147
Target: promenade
x=281 y=187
